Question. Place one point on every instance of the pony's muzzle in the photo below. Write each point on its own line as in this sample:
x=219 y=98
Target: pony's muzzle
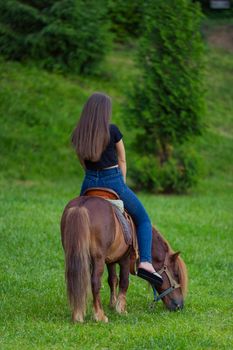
x=176 y=305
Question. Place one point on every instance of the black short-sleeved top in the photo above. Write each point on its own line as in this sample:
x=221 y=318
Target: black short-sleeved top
x=109 y=155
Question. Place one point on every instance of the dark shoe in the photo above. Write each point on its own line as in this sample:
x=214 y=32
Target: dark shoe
x=153 y=277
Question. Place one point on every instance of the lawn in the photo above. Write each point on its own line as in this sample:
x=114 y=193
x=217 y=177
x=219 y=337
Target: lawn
x=34 y=309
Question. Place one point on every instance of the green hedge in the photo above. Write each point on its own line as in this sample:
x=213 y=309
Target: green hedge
x=177 y=175
x=167 y=102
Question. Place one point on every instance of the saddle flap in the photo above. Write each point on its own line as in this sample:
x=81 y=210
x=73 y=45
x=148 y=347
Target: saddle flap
x=130 y=237
x=125 y=225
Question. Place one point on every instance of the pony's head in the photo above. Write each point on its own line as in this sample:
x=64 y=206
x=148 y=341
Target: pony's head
x=173 y=270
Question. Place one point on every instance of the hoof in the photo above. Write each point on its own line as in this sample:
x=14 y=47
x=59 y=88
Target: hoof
x=100 y=317
x=120 y=307
x=105 y=319
x=77 y=318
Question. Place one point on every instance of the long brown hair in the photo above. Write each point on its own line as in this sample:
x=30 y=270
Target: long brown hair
x=91 y=135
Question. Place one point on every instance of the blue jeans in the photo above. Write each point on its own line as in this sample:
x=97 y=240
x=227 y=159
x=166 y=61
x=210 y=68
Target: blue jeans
x=113 y=179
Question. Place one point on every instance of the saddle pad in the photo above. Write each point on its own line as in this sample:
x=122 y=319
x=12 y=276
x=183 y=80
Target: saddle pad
x=118 y=203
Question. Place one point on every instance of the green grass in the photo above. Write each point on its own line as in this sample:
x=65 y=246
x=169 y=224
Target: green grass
x=37 y=183
x=34 y=311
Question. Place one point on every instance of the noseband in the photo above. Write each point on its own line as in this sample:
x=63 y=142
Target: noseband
x=173 y=284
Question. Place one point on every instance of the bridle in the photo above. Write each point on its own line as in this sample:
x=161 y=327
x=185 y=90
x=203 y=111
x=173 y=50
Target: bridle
x=173 y=284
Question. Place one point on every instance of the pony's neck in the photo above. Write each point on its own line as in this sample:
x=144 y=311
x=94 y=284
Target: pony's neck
x=160 y=247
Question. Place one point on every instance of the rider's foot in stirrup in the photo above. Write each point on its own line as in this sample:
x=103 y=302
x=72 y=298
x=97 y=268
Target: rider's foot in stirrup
x=147 y=272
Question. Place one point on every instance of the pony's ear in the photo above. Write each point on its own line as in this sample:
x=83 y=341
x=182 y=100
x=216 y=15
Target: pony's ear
x=175 y=256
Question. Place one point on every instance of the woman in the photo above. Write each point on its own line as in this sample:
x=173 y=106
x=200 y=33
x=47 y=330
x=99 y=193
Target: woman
x=101 y=151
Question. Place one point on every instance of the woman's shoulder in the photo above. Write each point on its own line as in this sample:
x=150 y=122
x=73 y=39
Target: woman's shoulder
x=115 y=133
x=113 y=126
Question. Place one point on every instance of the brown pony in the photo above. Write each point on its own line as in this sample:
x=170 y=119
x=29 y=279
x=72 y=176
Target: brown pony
x=91 y=237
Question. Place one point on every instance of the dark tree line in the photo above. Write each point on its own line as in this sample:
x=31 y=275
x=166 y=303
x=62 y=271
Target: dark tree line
x=66 y=35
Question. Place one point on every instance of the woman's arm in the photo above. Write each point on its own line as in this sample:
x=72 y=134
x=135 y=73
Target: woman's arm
x=120 y=148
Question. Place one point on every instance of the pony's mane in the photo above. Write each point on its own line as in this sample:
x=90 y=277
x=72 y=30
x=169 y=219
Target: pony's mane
x=183 y=275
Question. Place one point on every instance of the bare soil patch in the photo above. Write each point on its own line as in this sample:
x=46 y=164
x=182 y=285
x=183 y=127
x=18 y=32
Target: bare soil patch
x=221 y=37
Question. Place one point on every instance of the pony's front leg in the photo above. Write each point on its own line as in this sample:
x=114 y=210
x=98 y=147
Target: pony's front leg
x=123 y=284
x=97 y=272
x=113 y=283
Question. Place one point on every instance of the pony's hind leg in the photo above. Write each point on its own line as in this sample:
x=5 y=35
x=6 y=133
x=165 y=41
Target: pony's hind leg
x=123 y=284
x=97 y=272
x=113 y=283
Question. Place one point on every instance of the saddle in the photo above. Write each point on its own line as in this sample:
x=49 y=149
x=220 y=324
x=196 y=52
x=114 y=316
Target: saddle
x=124 y=219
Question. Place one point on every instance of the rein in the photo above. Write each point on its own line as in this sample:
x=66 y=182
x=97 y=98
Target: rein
x=173 y=284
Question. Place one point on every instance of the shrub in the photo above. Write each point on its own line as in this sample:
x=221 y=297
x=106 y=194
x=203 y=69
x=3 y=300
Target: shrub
x=66 y=35
x=177 y=175
x=166 y=104
x=126 y=18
